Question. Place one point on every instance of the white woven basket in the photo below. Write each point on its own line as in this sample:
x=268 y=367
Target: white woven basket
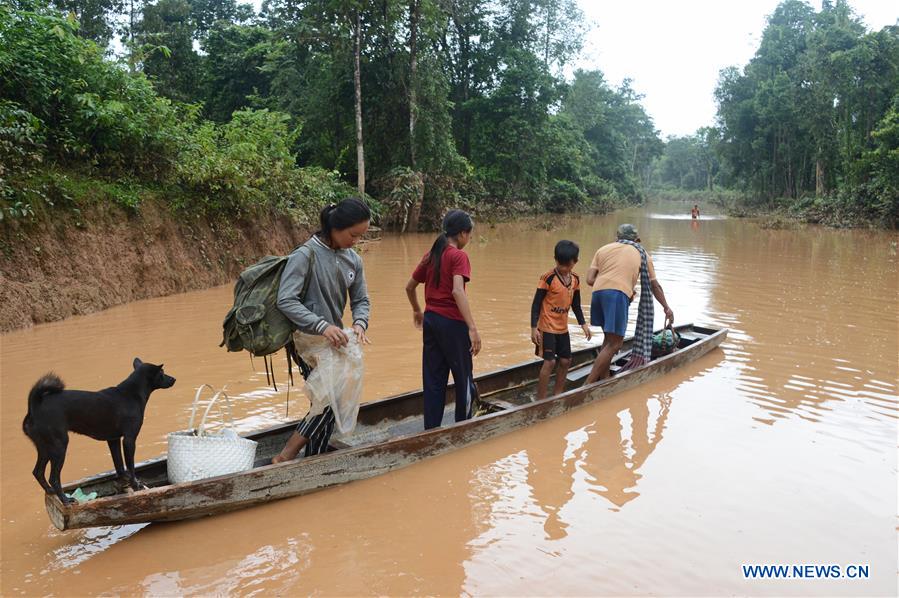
x=197 y=454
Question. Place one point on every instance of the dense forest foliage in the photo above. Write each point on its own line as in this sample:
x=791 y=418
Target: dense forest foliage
x=422 y=104
x=222 y=109
x=810 y=124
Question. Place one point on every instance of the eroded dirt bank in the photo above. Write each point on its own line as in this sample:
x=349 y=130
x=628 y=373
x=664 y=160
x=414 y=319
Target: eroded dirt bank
x=50 y=270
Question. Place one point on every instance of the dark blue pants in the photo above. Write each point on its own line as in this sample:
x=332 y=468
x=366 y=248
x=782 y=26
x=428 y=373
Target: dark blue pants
x=447 y=348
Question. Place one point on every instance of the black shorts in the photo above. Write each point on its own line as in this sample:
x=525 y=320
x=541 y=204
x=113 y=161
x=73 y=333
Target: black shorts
x=555 y=346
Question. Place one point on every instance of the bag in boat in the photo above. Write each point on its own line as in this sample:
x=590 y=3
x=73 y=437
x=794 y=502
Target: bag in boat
x=664 y=342
x=336 y=377
x=195 y=454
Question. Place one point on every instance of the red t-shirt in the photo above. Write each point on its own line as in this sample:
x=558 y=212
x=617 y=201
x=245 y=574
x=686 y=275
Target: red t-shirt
x=439 y=299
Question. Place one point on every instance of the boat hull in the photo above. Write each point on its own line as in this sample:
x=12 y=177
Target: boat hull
x=170 y=502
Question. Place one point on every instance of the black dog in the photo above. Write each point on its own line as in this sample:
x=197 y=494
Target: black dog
x=114 y=415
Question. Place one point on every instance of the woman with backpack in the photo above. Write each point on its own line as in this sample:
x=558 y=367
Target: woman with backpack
x=449 y=332
x=335 y=273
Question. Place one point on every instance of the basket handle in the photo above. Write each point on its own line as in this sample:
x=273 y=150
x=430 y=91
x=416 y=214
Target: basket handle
x=193 y=410
x=227 y=421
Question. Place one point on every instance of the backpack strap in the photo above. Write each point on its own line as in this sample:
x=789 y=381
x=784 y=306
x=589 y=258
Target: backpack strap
x=309 y=274
x=271 y=367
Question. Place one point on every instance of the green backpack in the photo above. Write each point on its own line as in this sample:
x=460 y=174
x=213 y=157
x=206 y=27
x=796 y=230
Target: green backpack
x=255 y=323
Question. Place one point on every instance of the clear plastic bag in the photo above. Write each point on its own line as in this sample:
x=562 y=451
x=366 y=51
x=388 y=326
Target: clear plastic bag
x=336 y=377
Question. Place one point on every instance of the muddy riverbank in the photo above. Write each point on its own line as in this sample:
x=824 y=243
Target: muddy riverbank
x=105 y=256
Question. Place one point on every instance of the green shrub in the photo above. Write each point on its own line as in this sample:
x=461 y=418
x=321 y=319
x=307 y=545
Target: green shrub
x=21 y=139
x=21 y=149
x=64 y=103
x=223 y=179
x=882 y=189
x=400 y=190
x=312 y=188
x=564 y=196
x=93 y=112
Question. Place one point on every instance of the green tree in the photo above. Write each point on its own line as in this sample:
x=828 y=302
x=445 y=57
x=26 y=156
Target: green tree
x=165 y=49
x=94 y=17
x=206 y=13
x=620 y=133
x=882 y=164
x=464 y=43
x=510 y=124
x=561 y=28
x=798 y=118
x=89 y=111
x=233 y=68
x=690 y=162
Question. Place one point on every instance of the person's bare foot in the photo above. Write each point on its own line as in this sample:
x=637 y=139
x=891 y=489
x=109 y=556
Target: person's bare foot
x=281 y=457
x=290 y=451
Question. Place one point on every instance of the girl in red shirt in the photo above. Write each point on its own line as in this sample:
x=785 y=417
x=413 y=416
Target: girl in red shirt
x=449 y=332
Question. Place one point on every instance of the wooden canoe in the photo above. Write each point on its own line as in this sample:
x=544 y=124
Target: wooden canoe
x=389 y=435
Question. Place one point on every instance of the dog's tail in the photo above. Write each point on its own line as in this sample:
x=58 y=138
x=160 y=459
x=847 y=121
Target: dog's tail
x=49 y=383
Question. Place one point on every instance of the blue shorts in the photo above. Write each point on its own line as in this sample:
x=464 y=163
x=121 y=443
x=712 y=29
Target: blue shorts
x=608 y=309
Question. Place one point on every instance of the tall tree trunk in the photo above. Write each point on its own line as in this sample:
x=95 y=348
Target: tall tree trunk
x=131 y=62
x=848 y=125
x=772 y=193
x=414 y=15
x=357 y=83
x=820 y=187
x=465 y=76
x=546 y=39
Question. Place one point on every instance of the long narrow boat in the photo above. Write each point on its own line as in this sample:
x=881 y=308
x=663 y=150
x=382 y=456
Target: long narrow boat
x=388 y=436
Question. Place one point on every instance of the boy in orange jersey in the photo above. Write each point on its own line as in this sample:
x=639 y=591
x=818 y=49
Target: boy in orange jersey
x=557 y=292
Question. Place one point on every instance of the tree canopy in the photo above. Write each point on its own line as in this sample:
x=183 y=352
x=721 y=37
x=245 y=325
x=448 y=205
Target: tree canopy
x=468 y=97
x=470 y=94
x=810 y=119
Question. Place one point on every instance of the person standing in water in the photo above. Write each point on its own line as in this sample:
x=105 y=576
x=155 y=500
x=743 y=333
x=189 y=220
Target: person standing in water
x=450 y=336
x=694 y=213
x=336 y=272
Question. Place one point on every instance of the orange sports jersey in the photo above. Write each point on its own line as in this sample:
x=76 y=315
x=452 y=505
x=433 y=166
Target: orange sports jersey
x=557 y=302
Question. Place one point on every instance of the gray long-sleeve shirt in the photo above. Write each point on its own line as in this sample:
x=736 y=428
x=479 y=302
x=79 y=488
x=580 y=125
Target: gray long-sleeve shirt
x=337 y=273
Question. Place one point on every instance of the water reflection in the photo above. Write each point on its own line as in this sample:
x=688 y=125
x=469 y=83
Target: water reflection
x=364 y=541
x=802 y=337
x=605 y=457
x=618 y=446
x=566 y=500
x=551 y=469
x=89 y=543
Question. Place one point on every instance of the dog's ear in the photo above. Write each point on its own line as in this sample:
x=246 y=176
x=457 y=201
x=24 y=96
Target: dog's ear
x=137 y=362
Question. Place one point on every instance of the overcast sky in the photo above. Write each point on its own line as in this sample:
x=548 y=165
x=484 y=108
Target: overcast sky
x=673 y=49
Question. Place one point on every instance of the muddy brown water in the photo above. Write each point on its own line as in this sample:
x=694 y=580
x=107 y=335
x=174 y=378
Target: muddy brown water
x=778 y=448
